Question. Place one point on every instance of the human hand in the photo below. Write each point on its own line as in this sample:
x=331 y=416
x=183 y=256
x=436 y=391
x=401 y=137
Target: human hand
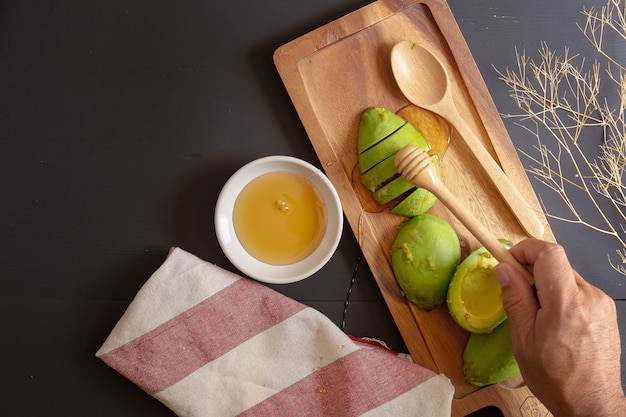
x=564 y=333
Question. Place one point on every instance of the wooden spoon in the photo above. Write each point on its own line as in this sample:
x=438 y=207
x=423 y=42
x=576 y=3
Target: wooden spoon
x=415 y=165
x=424 y=81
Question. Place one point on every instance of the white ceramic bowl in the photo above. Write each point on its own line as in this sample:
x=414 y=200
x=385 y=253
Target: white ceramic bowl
x=240 y=258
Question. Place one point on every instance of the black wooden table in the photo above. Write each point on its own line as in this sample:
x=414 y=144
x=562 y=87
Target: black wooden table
x=120 y=122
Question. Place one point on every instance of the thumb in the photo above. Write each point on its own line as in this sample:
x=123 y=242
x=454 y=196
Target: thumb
x=519 y=300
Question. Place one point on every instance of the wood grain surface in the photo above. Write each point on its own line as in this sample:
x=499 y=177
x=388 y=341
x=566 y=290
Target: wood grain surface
x=332 y=75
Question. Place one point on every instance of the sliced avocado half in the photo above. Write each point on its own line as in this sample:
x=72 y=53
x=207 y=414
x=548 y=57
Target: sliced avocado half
x=381 y=135
x=390 y=145
x=376 y=124
x=380 y=174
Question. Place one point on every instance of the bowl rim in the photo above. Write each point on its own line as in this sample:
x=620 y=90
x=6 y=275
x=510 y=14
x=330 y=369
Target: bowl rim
x=246 y=263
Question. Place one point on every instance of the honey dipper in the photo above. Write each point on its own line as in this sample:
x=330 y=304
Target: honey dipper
x=416 y=166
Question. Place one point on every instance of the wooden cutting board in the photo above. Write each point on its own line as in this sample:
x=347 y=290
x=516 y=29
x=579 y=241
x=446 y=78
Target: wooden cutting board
x=332 y=75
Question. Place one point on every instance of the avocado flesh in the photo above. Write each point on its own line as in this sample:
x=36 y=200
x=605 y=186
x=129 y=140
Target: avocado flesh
x=488 y=357
x=424 y=255
x=376 y=124
x=474 y=296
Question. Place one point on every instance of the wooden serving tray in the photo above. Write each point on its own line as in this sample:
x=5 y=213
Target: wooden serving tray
x=332 y=75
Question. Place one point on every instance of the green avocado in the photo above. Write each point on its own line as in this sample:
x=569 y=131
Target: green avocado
x=381 y=173
x=381 y=135
x=416 y=203
x=419 y=201
x=392 y=190
x=390 y=145
x=424 y=255
x=376 y=124
x=488 y=357
x=386 y=185
x=474 y=296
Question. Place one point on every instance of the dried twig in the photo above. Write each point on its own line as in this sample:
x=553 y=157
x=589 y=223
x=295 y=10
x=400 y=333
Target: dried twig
x=560 y=98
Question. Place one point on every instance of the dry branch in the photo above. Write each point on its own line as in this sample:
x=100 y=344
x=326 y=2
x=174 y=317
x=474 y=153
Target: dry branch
x=560 y=99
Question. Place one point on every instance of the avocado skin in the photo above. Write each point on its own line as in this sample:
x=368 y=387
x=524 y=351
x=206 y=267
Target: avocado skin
x=488 y=357
x=424 y=256
x=417 y=202
x=381 y=135
x=381 y=173
x=394 y=189
x=388 y=146
x=376 y=124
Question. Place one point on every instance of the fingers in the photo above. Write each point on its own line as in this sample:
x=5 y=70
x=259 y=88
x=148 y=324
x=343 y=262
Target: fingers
x=564 y=332
x=555 y=284
x=555 y=281
x=519 y=302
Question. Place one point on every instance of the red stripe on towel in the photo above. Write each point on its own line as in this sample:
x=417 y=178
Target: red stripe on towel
x=181 y=345
x=350 y=386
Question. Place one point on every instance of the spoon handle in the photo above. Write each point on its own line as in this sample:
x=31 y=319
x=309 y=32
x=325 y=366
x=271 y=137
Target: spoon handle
x=476 y=228
x=529 y=220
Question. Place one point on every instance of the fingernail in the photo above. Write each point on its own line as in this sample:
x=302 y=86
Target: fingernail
x=502 y=274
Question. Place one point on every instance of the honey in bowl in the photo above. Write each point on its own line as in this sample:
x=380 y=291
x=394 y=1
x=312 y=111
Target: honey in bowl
x=279 y=218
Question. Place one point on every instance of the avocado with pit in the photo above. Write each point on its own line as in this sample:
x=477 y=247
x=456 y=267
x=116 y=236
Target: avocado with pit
x=488 y=357
x=424 y=256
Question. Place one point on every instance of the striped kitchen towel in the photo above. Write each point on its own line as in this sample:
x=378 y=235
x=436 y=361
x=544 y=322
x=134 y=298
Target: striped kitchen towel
x=207 y=342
